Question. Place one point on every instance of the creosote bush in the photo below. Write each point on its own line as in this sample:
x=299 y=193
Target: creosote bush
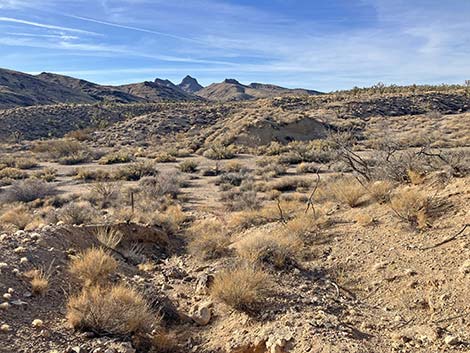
x=115 y=310
x=93 y=266
x=116 y=157
x=412 y=206
x=242 y=288
x=81 y=212
x=18 y=217
x=136 y=171
x=188 y=166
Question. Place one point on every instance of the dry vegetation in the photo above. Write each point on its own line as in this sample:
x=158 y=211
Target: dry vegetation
x=295 y=224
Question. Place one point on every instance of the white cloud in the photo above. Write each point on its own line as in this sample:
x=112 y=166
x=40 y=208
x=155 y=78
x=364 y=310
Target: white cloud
x=47 y=26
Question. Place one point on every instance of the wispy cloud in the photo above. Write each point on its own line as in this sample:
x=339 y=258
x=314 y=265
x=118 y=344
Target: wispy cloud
x=45 y=25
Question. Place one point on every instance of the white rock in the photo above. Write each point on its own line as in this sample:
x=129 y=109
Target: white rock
x=37 y=323
x=23 y=260
x=465 y=268
x=4 y=306
x=5 y=328
x=451 y=340
x=20 y=249
x=7 y=296
x=201 y=314
x=11 y=290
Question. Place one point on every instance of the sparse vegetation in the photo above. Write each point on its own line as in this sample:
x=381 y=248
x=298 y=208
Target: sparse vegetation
x=243 y=288
x=188 y=166
x=93 y=267
x=209 y=239
x=115 y=310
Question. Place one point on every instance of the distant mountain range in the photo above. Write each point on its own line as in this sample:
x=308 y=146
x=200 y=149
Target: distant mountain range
x=19 y=89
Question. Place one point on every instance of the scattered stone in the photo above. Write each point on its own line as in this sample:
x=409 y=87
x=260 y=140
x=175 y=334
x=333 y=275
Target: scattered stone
x=3 y=265
x=23 y=260
x=7 y=296
x=380 y=266
x=11 y=290
x=451 y=340
x=5 y=328
x=20 y=249
x=203 y=283
x=37 y=323
x=4 y=306
x=19 y=302
x=202 y=313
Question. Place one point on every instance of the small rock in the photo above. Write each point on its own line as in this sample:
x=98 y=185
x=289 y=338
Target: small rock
x=5 y=328
x=201 y=314
x=451 y=340
x=20 y=249
x=7 y=296
x=203 y=283
x=3 y=265
x=465 y=268
x=4 y=306
x=23 y=260
x=380 y=265
x=11 y=290
x=37 y=323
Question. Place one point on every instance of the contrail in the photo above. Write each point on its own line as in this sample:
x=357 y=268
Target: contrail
x=136 y=29
x=43 y=25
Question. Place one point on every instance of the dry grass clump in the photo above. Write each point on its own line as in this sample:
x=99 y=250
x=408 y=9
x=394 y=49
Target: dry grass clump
x=218 y=152
x=271 y=170
x=39 y=281
x=65 y=151
x=81 y=212
x=104 y=194
x=304 y=225
x=47 y=174
x=136 y=171
x=167 y=183
x=87 y=174
x=165 y=157
x=188 y=166
x=12 y=173
x=116 y=157
x=242 y=288
x=412 y=206
x=306 y=168
x=19 y=162
x=381 y=190
x=93 y=266
x=115 y=310
x=347 y=191
x=288 y=184
x=416 y=178
x=277 y=248
x=18 y=217
x=209 y=239
x=109 y=237
x=28 y=190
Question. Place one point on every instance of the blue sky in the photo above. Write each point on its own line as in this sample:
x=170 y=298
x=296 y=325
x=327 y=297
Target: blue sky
x=318 y=44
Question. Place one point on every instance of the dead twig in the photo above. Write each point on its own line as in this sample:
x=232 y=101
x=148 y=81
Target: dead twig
x=310 y=198
x=447 y=240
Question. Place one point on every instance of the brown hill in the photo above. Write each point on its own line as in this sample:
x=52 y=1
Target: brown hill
x=157 y=91
x=98 y=92
x=20 y=89
x=232 y=90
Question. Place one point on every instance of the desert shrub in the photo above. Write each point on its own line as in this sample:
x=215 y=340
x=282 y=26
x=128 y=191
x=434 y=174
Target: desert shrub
x=304 y=225
x=47 y=174
x=188 y=166
x=75 y=158
x=290 y=158
x=287 y=184
x=13 y=173
x=88 y=175
x=274 y=149
x=233 y=167
x=104 y=194
x=81 y=212
x=271 y=170
x=167 y=183
x=347 y=191
x=136 y=171
x=244 y=198
x=17 y=218
x=25 y=163
x=412 y=206
x=416 y=178
x=219 y=152
x=39 y=281
x=307 y=168
x=276 y=248
x=116 y=157
x=208 y=239
x=118 y=310
x=233 y=178
x=242 y=288
x=59 y=148
x=380 y=190
x=109 y=236
x=165 y=157
x=93 y=266
x=27 y=191
x=79 y=135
